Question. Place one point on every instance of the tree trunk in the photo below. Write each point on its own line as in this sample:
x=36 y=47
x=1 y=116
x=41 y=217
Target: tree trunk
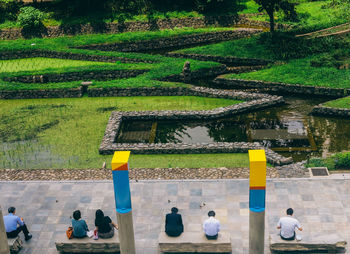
x=272 y=22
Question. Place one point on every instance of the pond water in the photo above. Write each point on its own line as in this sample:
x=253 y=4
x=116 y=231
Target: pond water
x=287 y=129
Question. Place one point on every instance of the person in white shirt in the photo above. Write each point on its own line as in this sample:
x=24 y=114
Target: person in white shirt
x=287 y=226
x=211 y=226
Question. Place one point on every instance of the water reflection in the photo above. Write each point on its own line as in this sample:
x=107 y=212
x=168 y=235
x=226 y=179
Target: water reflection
x=287 y=129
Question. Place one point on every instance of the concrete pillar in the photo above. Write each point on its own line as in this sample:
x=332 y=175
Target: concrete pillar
x=256 y=232
x=257 y=193
x=126 y=233
x=4 y=248
x=120 y=170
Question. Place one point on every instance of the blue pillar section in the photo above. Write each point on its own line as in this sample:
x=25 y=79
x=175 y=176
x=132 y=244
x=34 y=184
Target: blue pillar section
x=122 y=191
x=257 y=200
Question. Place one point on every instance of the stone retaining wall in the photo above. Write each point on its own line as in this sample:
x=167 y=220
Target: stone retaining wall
x=196 y=22
x=41 y=93
x=74 y=76
x=6 y=55
x=175 y=41
x=254 y=102
x=112 y=91
x=282 y=87
x=329 y=111
x=236 y=61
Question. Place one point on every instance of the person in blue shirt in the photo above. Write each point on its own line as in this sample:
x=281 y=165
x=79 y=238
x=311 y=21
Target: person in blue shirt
x=14 y=225
x=80 y=227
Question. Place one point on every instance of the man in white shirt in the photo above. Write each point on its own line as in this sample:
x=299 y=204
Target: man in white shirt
x=211 y=226
x=287 y=226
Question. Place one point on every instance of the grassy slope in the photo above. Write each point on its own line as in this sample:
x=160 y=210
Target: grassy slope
x=66 y=133
x=312 y=14
x=246 y=47
x=40 y=63
x=340 y=103
x=299 y=71
x=162 y=67
x=65 y=42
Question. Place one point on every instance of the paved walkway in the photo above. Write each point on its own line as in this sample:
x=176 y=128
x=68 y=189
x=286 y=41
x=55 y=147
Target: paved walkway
x=320 y=204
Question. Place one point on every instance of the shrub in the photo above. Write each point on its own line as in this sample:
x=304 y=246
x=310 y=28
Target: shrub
x=8 y=9
x=29 y=17
x=342 y=160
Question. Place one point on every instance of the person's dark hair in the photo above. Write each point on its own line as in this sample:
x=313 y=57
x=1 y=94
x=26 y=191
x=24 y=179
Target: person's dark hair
x=211 y=214
x=99 y=216
x=290 y=211
x=77 y=215
x=174 y=210
x=11 y=209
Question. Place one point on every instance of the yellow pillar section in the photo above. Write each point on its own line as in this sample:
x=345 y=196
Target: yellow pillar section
x=257 y=164
x=120 y=159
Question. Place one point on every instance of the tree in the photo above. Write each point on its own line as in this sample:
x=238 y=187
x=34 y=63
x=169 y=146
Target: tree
x=270 y=6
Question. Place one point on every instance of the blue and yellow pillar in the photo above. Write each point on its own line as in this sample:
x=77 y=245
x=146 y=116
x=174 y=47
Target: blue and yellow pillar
x=122 y=195
x=257 y=194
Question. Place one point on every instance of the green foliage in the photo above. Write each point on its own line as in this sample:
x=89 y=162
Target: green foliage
x=342 y=160
x=29 y=17
x=335 y=161
x=339 y=59
x=8 y=10
x=271 y=6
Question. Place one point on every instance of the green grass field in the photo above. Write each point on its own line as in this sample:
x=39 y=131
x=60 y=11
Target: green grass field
x=41 y=63
x=339 y=103
x=300 y=71
x=66 y=133
x=246 y=48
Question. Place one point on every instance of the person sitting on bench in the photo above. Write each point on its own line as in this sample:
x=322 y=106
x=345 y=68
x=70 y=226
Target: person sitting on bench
x=80 y=227
x=104 y=225
x=211 y=226
x=287 y=226
x=173 y=223
x=14 y=225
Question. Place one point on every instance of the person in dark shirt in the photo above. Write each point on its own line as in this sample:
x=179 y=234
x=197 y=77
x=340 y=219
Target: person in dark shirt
x=104 y=225
x=80 y=227
x=173 y=223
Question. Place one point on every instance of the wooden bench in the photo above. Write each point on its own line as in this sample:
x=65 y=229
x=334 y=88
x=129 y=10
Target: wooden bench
x=88 y=245
x=195 y=242
x=321 y=243
x=15 y=244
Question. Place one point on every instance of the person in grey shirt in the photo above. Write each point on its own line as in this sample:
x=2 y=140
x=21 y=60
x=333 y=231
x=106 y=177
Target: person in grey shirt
x=287 y=226
x=211 y=226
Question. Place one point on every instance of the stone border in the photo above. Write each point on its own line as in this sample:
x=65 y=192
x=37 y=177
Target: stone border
x=236 y=61
x=113 y=91
x=173 y=41
x=42 y=93
x=76 y=76
x=329 y=111
x=196 y=22
x=254 y=101
x=282 y=87
x=7 y=55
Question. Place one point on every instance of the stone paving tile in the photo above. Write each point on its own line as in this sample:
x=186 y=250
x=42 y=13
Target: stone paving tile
x=320 y=205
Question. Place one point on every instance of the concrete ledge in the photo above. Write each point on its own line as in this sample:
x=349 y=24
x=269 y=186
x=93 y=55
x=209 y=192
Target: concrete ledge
x=194 y=242
x=15 y=244
x=326 y=243
x=88 y=245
